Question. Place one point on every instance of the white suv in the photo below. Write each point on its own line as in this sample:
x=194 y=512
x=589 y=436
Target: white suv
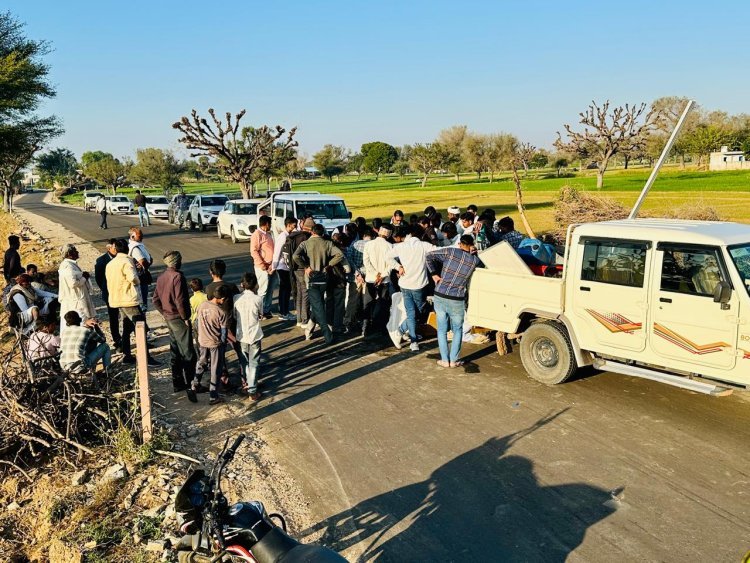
x=204 y=210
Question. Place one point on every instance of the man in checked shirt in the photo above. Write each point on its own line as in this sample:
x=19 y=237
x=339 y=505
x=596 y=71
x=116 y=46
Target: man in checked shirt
x=451 y=268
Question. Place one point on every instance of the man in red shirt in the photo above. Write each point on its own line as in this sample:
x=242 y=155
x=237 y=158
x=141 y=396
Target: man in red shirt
x=261 y=249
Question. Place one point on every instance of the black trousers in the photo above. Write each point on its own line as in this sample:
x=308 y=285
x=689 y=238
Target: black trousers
x=103 y=224
x=130 y=316
x=336 y=305
x=317 y=291
x=377 y=304
x=301 y=300
x=183 y=357
x=114 y=325
x=285 y=291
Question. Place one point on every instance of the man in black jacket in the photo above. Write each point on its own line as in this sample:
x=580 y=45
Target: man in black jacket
x=100 y=276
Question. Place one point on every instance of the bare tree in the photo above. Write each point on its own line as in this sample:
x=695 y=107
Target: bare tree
x=237 y=153
x=524 y=153
x=516 y=161
x=605 y=134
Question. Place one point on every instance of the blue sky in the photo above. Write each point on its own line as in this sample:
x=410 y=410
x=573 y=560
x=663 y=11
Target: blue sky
x=397 y=71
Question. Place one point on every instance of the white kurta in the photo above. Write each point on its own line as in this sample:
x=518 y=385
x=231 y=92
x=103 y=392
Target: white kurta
x=75 y=292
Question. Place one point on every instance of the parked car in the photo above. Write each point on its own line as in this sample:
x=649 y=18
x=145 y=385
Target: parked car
x=172 y=212
x=157 y=206
x=330 y=210
x=204 y=210
x=89 y=200
x=118 y=204
x=238 y=219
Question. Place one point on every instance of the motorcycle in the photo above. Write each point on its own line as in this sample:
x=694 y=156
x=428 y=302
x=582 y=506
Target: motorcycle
x=244 y=532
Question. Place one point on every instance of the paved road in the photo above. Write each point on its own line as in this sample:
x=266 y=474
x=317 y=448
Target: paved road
x=403 y=461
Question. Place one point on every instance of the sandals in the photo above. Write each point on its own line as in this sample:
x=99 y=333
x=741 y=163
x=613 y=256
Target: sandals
x=443 y=364
x=457 y=364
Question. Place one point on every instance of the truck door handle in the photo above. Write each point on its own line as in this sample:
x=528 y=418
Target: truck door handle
x=665 y=299
x=584 y=288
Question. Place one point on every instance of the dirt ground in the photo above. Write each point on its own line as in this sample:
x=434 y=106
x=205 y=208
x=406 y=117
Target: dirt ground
x=196 y=430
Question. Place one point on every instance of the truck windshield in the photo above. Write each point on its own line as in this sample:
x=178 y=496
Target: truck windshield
x=322 y=209
x=741 y=257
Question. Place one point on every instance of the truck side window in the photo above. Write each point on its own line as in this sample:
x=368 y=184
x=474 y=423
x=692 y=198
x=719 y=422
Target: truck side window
x=279 y=209
x=691 y=271
x=289 y=209
x=615 y=262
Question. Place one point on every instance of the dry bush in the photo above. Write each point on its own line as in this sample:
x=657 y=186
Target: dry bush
x=695 y=211
x=575 y=206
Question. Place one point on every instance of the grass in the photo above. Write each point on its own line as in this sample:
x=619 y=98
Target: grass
x=728 y=192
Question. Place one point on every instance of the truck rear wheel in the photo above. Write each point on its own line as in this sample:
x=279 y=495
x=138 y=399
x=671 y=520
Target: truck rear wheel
x=547 y=354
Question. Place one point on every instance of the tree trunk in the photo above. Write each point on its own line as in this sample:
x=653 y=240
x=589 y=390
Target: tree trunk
x=519 y=205
x=492 y=175
x=457 y=177
x=682 y=161
x=558 y=171
x=479 y=174
x=247 y=189
x=627 y=161
x=424 y=180
x=599 y=178
x=525 y=168
x=6 y=198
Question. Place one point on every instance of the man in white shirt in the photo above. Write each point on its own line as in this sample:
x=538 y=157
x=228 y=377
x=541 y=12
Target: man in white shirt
x=248 y=311
x=409 y=258
x=280 y=265
x=74 y=287
x=377 y=298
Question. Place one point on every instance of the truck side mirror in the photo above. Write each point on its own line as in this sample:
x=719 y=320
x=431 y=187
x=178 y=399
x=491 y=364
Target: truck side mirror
x=722 y=292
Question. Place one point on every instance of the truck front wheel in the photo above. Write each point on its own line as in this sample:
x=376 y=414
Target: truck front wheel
x=547 y=354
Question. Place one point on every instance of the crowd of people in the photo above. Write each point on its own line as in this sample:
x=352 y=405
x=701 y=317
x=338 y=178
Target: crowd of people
x=368 y=279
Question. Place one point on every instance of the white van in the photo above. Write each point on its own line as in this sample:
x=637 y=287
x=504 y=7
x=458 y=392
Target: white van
x=329 y=210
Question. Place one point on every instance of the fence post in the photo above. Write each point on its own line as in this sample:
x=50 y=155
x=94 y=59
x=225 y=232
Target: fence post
x=141 y=354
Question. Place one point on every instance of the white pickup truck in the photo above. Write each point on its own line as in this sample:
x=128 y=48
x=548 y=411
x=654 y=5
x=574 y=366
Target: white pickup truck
x=667 y=300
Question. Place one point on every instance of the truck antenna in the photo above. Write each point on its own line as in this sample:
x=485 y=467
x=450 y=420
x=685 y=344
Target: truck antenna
x=662 y=158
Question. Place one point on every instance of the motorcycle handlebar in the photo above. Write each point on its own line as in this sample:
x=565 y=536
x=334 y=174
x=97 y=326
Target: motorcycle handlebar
x=236 y=445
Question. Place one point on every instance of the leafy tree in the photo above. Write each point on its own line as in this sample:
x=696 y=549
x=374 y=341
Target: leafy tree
x=401 y=166
x=58 y=165
x=667 y=111
x=706 y=138
x=331 y=160
x=606 y=133
x=477 y=153
x=24 y=85
x=452 y=141
x=89 y=157
x=109 y=172
x=378 y=157
x=191 y=170
x=502 y=148
x=426 y=158
x=237 y=152
x=156 y=167
x=561 y=160
x=540 y=159
x=356 y=163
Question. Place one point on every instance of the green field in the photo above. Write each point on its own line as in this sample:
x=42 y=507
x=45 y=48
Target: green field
x=728 y=192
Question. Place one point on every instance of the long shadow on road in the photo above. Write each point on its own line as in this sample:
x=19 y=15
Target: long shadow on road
x=484 y=505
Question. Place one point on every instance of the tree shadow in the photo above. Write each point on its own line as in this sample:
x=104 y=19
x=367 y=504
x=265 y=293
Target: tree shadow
x=484 y=505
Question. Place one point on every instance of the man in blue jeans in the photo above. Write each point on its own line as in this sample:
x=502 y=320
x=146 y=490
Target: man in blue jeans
x=140 y=204
x=409 y=259
x=451 y=268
